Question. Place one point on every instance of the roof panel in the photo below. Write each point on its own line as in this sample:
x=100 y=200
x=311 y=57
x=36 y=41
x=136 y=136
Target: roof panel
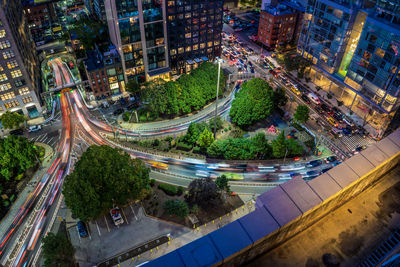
x=171 y=259
x=201 y=252
x=389 y=147
x=324 y=186
x=395 y=137
x=374 y=155
x=258 y=224
x=343 y=175
x=359 y=164
x=280 y=206
x=230 y=239
x=301 y=194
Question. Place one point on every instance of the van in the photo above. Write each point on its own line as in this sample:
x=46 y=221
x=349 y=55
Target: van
x=314 y=98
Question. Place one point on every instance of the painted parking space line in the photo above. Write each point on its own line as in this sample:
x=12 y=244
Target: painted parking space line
x=123 y=213
x=98 y=229
x=87 y=227
x=133 y=211
x=108 y=228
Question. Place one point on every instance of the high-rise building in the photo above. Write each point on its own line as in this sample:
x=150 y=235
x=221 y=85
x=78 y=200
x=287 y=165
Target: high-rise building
x=354 y=47
x=19 y=67
x=194 y=33
x=138 y=29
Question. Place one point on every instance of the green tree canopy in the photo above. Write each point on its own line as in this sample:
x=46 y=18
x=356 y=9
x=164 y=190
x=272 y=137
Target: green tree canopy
x=176 y=207
x=203 y=191
x=90 y=32
x=194 y=131
x=205 y=139
x=279 y=146
x=219 y=123
x=260 y=146
x=252 y=103
x=58 y=251
x=102 y=178
x=222 y=183
x=279 y=97
x=17 y=154
x=11 y=120
x=133 y=87
x=295 y=149
x=302 y=113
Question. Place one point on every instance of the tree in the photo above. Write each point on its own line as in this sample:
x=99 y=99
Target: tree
x=216 y=149
x=222 y=183
x=90 y=32
x=58 y=251
x=219 y=123
x=260 y=146
x=132 y=87
x=102 y=178
x=279 y=146
x=10 y=120
x=176 y=207
x=203 y=192
x=302 y=113
x=205 y=139
x=17 y=154
x=252 y=103
x=279 y=97
x=294 y=148
x=194 y=131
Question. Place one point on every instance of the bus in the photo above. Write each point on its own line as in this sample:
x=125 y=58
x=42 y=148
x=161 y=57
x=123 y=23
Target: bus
x=158 y=165
x=234 y=176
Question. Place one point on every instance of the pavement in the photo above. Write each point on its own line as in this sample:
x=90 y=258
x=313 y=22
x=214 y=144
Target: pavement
x=193 y=234
x=349 y=233
x=31 y=185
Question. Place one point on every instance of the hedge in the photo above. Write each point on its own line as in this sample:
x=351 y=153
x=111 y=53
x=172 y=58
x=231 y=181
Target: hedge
x=168 y=189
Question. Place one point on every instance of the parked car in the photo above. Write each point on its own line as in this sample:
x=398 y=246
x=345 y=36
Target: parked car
x=17 y=132
x=326 y=108
x=330 y=159
x=305 y=98
x=332 y=121
x=359 y=149
x=314 y=163
x=314 y=98
x=82 y=229
x=347 y=131
x=337 y=132
x=34 y=128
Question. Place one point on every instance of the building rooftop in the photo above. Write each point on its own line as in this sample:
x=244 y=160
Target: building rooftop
x=94 y=60
x=279 y=10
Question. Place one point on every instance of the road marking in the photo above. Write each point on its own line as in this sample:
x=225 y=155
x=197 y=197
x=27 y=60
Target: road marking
x=98 y=229
x=42 y=138
x=87 y=227
x=133 y=211
x=123 y=213
x=108 y=228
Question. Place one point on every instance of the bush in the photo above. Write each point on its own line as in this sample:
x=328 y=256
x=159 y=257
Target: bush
x=126 y=116
x=168 y=189
x=195 y=209
x=152 y=182
x=180 y=190
x=156 y=142
x=176 y=207
x=226 y=129
x=183 y=146
x=197 y=149
x=310 y=143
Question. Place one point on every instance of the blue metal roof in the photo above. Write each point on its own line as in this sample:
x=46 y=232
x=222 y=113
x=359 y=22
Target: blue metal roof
x=258 y=224
x=230 y=239
x=343 y=175
x=201 y=252
x=301 y=194
x=171 y=259
x=359 y=164
x=324 y=186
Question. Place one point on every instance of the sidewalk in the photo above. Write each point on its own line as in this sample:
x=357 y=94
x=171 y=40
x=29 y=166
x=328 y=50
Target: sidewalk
x=197 y=232
x=31 y=185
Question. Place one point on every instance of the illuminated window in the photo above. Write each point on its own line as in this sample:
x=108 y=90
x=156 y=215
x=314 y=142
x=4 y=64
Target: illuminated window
x=16 y=73
x=4 y=44
x=210 y=44
x=23 y=91
x=7 y=96
x=27 y=99
x=195 y=47
x=5 y=87
x=3 y=77
x=12 y=64
x=188 y=49
x=203 y=45
x=180 y=50
x=2 y=33
x=8 y=54
x=173 y=52
x=11 y=104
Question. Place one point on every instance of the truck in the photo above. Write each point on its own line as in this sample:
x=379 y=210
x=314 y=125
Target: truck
x=116 y=216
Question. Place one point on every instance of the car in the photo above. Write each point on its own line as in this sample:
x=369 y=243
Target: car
x=326 y=108
x=332 y=121
x=359 y=149
x=82 y=229
x=34 y=128
x=116 y=216
x=348 y=121
x=118 y=111
x=17 y=132
x=314 y=163
x=326 y=169
x=312 y=174
x=305 y=98
x=330 y=159
x=338 y=116
x=337 y=132
x=295 y=90
x=347 y=131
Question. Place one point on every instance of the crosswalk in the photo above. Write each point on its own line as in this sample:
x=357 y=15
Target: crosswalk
x=57 y=118
x=50 y=139
x=352 y=142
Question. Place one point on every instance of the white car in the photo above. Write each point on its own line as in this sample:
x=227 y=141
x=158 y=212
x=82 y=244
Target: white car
x=34 y=128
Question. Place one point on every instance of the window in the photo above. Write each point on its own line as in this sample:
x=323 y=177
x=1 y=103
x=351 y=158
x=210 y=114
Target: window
x=19 y=82
x=7 y=96
x=27 y=99
x=2 y=33
x=16 y=73
x=5 y=87
x=3 y=77
x=12 y=104
x=12 y=64
x=4 y=44
x=8 y=54
x=23 y=91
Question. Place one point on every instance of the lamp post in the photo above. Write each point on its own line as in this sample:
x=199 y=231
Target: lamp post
x=216 y=102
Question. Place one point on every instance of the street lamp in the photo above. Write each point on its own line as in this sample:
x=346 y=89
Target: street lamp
x=216 y=102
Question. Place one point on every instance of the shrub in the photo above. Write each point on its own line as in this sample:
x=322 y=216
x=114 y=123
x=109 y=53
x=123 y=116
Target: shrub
x=195 y=209
x=176 y=207
x=226 y=129
x=126 y=116
x=152 y=182
x=184 y=146
x=310 y=143
x=156 y=142
x=180 y=190
x=168 y=189
x=197 y=149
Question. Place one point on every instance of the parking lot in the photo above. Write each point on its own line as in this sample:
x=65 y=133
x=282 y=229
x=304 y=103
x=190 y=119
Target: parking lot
x=106 y=240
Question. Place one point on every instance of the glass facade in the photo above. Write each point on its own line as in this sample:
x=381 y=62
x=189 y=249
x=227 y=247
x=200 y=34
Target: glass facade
x=194 y=31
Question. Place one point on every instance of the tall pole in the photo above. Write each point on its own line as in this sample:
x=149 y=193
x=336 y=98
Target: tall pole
x=216 y=102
